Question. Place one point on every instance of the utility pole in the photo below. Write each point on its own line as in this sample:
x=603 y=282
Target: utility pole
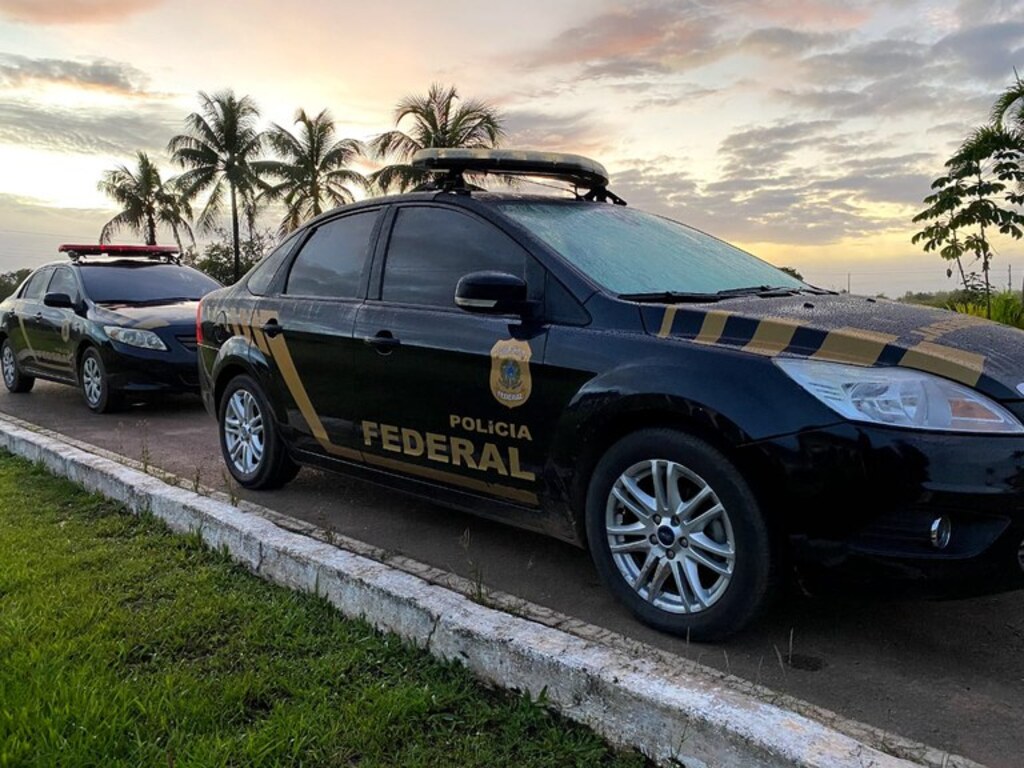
x=1009 y=277
x=847 y=282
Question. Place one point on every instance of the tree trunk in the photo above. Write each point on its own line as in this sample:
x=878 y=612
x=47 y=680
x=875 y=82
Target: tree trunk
x=234 y=233
x=150 y=230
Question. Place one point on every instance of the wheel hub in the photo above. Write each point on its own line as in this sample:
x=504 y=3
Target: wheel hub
x=666 y=536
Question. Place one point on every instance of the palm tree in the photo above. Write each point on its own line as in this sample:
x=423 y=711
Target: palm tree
x=218 y=150
x=146 y=201
x=1010 y=102
x=439 y=119
x=313 y=169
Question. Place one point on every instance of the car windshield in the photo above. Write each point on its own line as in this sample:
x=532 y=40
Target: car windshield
x=630 y=252
x=144 y=283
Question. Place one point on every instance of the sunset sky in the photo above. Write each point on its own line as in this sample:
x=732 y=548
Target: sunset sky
x=806 y=131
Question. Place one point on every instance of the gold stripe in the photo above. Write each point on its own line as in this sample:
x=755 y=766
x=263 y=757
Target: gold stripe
x=666 y=322
x=21 y=322
x=261 y=341
x=772 y=335
x=285 y=364
x=853 y=345
x=712 y=327
x=956 y=364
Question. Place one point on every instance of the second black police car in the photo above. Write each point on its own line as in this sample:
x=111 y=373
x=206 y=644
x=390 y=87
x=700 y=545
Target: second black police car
x=695 y=417
x=114 y=320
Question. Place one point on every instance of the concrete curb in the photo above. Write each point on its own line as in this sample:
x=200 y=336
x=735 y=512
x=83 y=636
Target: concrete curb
x=676 y=712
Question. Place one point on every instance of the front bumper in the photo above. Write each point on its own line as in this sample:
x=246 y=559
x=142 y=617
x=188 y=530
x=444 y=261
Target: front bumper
x=865 y=499
x=142 y=371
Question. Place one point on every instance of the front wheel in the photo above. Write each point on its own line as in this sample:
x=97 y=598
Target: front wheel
x=677 y=535
x=252 y=449
x=92 y=375
x=14 y=379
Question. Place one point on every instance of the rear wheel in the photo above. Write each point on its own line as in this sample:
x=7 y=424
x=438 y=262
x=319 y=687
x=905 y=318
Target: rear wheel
x=14 y=379
x=677 y=535
x=249 y=439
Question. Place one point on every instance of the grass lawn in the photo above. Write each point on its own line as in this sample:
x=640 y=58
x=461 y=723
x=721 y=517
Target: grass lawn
x=123 y=644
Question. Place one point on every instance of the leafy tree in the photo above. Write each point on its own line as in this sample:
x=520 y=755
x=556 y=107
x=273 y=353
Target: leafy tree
x=9 y=281
x=975 y=199
x=218 y=151
x=313 y=173
x=146 y=201
x=792 y=272
x=439 y=119
x=1010 y=103
x=218 y=257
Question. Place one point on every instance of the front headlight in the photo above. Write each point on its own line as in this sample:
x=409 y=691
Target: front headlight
x=899 y=397
x=135 y=337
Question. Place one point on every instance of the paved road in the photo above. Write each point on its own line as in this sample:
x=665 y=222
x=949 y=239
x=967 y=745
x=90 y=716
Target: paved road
x=950 y=674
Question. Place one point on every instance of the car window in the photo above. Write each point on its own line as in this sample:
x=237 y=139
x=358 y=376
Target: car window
x=36 y=285
x=63 y=281
x=628 y=251
x=432 y=248
x=144 y=283
x=262 y=275
x=331 y=262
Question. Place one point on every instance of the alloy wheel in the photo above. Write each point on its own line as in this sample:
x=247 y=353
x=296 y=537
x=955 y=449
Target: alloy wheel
x=10 y=372
x=670 y=537
x=92 y=380
x=243 y=432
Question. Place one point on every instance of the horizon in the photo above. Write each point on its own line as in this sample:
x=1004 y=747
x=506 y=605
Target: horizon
x=807 y=133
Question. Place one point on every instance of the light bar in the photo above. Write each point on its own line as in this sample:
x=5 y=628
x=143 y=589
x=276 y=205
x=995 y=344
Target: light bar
x=573 y=169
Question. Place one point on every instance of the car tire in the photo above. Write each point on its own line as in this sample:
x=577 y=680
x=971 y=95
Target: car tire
x=96 y=389
x=694 y=558
x=249 y=440
x=14 y=379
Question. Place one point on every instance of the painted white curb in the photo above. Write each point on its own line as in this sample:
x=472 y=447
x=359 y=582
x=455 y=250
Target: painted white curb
x=676 y=712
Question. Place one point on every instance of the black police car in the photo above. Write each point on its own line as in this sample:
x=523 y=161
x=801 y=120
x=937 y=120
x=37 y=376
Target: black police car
x=696 y=417
x=115 y=320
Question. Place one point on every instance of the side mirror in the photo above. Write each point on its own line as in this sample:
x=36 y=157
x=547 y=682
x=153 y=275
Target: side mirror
x=58 y=301
x=492 y=293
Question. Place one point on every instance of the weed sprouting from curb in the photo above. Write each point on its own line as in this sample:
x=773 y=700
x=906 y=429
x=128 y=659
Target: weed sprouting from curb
x=197 y=478
x=230 y=488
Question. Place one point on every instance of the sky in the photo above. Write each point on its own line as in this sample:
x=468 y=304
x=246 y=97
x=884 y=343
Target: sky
x=805 y=131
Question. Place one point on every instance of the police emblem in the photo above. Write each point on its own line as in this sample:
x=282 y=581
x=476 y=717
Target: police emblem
x=510 y=372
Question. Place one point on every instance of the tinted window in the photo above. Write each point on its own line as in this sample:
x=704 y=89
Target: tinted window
x=63 y=281
x=628 y=251
x=147 y=283
x=36 y=285
x=431 y=248
x=331 y=262
x=263 y=273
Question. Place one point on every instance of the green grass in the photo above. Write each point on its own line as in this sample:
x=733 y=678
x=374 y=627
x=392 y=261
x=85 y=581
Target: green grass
x=122 y=644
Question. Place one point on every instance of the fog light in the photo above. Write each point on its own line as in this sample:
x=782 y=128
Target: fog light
x=941 y=530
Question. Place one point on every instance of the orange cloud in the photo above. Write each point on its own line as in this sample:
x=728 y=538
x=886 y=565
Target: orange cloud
x=72 y=11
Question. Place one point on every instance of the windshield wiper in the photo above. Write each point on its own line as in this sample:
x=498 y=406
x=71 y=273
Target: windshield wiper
x=669 y=297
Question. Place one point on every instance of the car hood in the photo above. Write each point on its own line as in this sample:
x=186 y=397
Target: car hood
x=147 y=317
x=855 y=329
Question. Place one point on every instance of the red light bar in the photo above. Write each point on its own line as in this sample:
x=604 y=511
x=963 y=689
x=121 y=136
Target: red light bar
x=125 y=250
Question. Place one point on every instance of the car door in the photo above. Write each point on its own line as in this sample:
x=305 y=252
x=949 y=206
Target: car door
x=444 y=394
x=306 y=329
x=29 y=314
x=54 y=326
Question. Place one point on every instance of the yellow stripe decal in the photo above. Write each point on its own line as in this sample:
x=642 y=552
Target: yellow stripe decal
x=853 y=345
x=956 y=364
x=666 y=322
x=285 y=364
x=712 y=328
x=771 y=336
x=21 y=322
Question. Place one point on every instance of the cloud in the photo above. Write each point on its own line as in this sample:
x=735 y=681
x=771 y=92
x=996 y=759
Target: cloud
x=146 y=127
x=72 y=11
x=784 y=42
x=578 y=132
x=645 y=38
x=101 y=74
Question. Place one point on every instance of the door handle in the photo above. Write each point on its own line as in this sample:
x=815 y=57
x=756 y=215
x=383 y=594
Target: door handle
x=272 y=328
x=39 y=315
x=384 y=342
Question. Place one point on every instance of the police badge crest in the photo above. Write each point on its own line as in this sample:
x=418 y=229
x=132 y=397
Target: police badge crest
x=510 y=372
